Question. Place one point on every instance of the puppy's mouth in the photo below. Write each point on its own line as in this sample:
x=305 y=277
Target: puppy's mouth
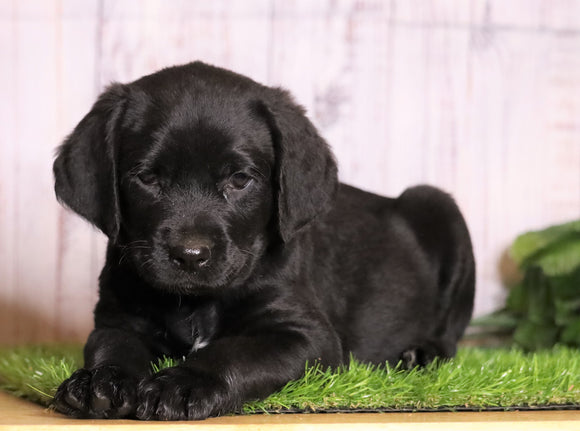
x=165 y=272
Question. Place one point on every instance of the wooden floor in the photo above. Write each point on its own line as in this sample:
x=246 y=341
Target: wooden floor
x=16 y=414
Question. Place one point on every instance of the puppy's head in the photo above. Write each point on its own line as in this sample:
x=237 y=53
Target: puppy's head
x=193 y=172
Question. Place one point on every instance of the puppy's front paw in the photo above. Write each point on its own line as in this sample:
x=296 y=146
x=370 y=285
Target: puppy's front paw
x=105 y=392
x=180 y=393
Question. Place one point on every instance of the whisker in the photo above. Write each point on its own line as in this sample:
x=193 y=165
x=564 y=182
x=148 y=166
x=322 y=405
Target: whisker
x=247 y=252
x=146 y=262
x=139 y=244
x=123 y=255
x=134 y=243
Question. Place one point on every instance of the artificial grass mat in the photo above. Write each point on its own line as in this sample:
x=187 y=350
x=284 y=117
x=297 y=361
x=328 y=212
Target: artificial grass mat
x=476 y=379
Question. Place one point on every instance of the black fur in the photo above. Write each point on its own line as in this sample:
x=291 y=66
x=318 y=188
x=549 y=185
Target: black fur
x=232 y=244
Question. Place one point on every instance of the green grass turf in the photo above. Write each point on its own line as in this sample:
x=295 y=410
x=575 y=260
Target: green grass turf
x=477 y=378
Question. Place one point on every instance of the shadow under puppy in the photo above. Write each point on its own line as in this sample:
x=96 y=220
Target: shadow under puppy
x=232 y=244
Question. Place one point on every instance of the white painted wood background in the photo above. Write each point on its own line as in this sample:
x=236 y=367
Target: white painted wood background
x=481 y=98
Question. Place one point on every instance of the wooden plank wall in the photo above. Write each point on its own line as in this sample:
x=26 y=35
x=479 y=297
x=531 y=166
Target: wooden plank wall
x=481 y=98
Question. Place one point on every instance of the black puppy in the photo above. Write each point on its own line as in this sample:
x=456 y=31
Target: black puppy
x=232 y=244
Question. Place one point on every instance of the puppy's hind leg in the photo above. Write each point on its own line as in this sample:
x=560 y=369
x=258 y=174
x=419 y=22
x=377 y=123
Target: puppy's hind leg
x=444 y=236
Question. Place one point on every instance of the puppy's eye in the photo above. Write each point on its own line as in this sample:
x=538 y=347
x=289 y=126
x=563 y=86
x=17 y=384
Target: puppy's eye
x=148 y=179
x=240 y=181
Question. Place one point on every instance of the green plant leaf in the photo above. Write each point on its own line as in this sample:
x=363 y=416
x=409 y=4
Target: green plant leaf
x=529 y=244
x=535 y=336
x=501 y=320
x=559 y=258
x=567 y=311
x=517 y=300
x=540 y=308
x=571 y=333
x=566 y=286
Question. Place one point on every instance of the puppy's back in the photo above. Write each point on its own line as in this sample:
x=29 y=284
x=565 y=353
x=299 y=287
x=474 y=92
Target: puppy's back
x=397 y=274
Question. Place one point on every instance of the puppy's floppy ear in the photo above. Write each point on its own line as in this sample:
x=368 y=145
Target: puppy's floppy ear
x=84 y=169
x=306 y=172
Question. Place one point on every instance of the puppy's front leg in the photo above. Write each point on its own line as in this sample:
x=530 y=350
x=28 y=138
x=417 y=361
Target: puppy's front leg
x=230 y=371
x=116 y=361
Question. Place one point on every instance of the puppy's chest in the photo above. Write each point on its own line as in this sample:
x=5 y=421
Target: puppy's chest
x=192 y=326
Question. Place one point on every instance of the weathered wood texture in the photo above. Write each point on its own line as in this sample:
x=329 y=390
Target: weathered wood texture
x=481 y=98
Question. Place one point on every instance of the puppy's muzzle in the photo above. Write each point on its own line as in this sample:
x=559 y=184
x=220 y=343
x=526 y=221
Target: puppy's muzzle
x=191 y=254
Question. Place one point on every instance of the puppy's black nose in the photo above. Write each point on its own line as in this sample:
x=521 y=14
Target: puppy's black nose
x=191 y=255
